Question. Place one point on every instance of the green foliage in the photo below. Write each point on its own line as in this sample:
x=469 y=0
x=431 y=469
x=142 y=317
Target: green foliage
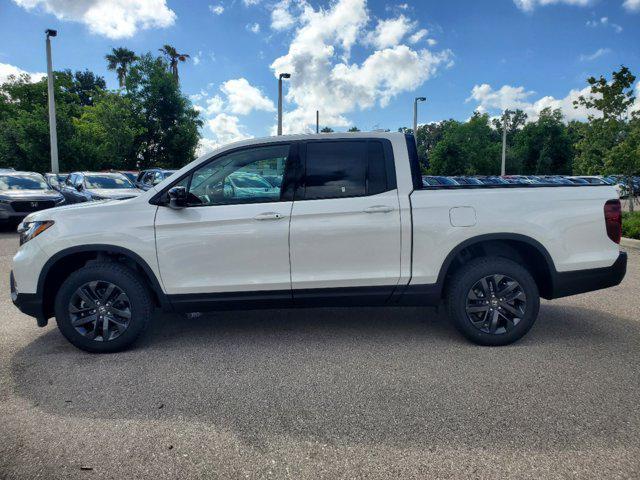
x=542 y=147
x=119 y=60
x=467 y=149
x=326 y=130
x=354 y=129
x=151 y=124
x=631 y=225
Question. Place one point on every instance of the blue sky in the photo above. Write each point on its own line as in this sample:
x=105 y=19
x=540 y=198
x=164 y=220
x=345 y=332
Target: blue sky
x=359 y=62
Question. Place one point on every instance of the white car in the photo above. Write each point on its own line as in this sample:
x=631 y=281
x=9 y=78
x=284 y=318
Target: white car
x=351 y=225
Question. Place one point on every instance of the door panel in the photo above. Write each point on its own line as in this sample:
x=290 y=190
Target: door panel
x=224 y=248
x=234 y=235
x=346 y=242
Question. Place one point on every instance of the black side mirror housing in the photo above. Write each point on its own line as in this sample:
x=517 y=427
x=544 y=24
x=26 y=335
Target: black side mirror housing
x=79 y=187
x=177 y=197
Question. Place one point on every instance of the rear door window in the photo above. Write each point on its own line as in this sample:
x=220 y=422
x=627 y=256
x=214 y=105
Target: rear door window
x=339 y=169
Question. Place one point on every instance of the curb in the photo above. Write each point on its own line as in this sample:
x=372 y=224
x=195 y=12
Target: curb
x=630 y=243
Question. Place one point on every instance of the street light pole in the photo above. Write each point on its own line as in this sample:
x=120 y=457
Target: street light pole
x=415 y=116
x=504 y=143
x=53 y=134
x=280 y=77
x=317 y=121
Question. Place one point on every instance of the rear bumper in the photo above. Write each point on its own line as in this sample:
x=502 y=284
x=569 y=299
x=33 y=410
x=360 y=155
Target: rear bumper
x=28 y=303
x=581 y=281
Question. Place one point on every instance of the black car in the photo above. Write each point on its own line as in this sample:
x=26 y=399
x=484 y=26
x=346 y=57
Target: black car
x=88 y=186
x=150 y=178
x=24 y=192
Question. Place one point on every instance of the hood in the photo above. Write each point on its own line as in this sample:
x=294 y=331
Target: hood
x=29 y=195
x=115 y=193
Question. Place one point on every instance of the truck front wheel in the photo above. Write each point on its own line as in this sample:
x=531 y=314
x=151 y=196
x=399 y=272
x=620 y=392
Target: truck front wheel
x=103 y=307
x=493 y=301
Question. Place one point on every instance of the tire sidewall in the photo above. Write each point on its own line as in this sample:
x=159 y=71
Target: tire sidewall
x=468 y=276
x=129 y=282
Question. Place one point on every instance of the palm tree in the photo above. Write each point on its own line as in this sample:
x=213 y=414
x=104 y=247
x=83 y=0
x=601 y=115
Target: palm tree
x=119 y=60
x=174 y=57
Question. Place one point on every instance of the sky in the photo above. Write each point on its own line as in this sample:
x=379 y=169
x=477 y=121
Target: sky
x=359 y=62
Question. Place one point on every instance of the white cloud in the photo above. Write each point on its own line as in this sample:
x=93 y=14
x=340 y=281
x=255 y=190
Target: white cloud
x=226 y=129
x=281 y=17
x=509 y=97
x=111 y=18
x=419 y=35
x=197 y=58
x=243 y=98
x=632 y=5
x=389 y=33
x=249 y=3
x=254 y=27
x=595 y=55
x=6 y=70
x=530 y=5
x=323 y=77
x=604 y=22
x=216 y=9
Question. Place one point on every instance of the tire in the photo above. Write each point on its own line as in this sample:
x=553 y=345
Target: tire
x=86 y=294
x=493 y=319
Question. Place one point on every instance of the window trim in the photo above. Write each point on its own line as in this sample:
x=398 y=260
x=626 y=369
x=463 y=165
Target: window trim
x=286 y=189
x=389 y=161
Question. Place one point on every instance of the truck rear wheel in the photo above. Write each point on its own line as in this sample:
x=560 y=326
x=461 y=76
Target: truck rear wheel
x=103 y=307
x=493 y=301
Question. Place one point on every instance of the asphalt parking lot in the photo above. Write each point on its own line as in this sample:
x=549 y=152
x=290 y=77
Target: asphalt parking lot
x=328 y=393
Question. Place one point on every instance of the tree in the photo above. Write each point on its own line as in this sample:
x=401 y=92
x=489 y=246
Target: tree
x=428 y=136
x=599 y=145
x=516 y=119
x=119 y=60
x=469 y=148
x=354 y=129
x=326 y=130
x=166 y=118
x=173 y=57
x=542 y=147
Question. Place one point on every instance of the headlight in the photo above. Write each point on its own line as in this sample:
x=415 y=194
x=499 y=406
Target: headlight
x=29 y=230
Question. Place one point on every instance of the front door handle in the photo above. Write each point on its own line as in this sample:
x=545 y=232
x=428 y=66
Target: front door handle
x=268 y=216
x=379 y=209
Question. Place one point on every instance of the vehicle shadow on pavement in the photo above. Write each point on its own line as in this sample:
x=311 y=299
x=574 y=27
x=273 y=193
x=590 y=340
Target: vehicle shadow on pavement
x=367 y=376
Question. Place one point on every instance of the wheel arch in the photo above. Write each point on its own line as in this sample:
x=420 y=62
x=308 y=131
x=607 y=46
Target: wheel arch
x=522 y=248
x=69 y=260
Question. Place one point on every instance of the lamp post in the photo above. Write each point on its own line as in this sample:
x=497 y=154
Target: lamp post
x=53 y=135
x=505 y=121
x=280 y=77
x=415 y=116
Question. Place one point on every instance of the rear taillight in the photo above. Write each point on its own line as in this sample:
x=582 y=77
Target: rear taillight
x=613 y=219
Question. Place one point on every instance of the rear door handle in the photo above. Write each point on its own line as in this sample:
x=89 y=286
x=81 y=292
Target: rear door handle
x=379 y=209
x=268 y=216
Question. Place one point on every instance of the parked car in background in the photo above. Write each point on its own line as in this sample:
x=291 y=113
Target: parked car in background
x=436 y=180
x=149 y=178
x=492 y=180
x=130 y=174
x=88 y=186
x=467 y=180
x=592 y=179
x=24 y=192
x=56 y=180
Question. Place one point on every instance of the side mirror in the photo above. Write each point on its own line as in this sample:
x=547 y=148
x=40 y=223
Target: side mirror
x=79 y=187
x=177 y=197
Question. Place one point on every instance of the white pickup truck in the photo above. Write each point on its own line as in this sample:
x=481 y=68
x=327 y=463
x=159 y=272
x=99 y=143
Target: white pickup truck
x=315 y=220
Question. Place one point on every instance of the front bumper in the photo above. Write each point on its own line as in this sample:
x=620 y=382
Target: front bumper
x=581 y=281
x=28 y=303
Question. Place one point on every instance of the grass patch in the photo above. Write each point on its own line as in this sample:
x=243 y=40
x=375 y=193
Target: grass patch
x=631 y=225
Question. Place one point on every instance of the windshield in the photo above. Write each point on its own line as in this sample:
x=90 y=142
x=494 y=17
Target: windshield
x=23 y=182
x=107 y=181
